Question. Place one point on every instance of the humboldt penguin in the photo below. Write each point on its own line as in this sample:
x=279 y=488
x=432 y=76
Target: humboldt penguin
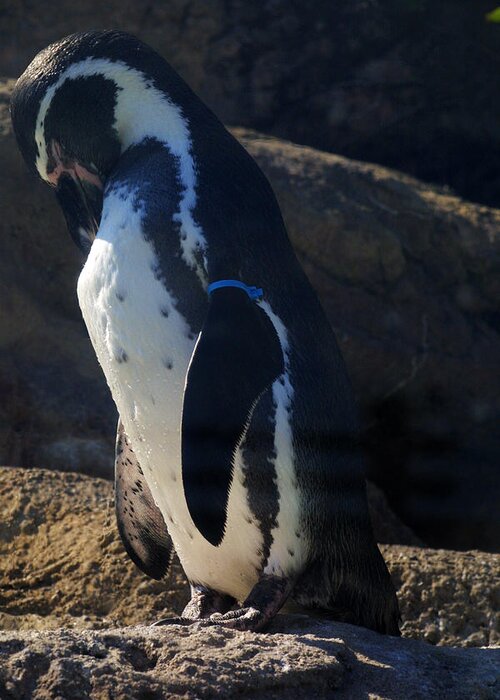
x=237 y=443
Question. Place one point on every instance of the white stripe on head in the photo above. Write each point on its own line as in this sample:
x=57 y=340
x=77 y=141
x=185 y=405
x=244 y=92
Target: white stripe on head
x=141 y=111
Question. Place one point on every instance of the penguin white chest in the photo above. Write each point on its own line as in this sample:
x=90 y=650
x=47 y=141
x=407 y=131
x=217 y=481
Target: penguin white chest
x=144 y=346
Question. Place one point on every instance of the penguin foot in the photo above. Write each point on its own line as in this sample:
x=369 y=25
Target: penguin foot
x=208 y=608
x=243 y=619
x=174 y=620
x=205 y=602
x=266 y=598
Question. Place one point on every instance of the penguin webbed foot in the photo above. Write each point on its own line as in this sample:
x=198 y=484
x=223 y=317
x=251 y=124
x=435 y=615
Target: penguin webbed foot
x=264 y=601
x=208 y=608
x=243 y=619
x=174 y=620
x=204 y=603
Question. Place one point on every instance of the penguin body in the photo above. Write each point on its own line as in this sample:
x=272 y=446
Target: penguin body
x=144 y=345
x=237 y=413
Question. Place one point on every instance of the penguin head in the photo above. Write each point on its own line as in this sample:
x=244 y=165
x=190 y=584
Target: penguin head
x=79 y=105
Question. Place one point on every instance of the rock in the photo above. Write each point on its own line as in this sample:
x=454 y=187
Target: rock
x=407 y=274
x=62 y=564
x=413 y=84
x=446 y=597
x=154 y=663
x=388 y=528
x=299 y=657
x=74 y=454
x=61 y=559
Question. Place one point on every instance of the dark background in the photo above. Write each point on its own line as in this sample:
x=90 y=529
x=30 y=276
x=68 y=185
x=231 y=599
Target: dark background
x=413 y=84
x=410 y=84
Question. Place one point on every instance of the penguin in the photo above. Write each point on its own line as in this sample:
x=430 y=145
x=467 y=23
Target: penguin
x=237 y=444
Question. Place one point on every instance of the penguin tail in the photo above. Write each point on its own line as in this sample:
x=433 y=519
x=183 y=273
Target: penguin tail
x=353 y=587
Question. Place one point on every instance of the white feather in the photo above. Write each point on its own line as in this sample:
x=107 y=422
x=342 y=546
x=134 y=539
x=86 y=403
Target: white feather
x=288 y=550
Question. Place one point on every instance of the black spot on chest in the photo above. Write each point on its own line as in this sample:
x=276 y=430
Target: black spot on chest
x=121 y=356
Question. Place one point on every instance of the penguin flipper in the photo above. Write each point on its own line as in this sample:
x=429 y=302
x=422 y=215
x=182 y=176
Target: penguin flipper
x=140 y=522
x=237 y=356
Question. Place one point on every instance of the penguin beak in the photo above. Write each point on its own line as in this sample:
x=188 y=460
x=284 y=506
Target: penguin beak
x=81 y=202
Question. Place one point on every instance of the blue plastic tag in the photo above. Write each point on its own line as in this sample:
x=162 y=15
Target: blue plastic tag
x=253 y=292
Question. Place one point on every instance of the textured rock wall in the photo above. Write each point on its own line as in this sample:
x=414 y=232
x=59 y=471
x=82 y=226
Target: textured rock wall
x=409 y=83
x=299 y=658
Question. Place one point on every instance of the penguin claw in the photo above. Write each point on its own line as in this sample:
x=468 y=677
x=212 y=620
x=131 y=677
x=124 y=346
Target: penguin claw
x=260 y=607
x=265 y=599
x=244 y=619
x=175 y=620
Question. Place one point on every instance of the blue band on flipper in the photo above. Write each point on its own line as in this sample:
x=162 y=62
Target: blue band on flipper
x=253 y=292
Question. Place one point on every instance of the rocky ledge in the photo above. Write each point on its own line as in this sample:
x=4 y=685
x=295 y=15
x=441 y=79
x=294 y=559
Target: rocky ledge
x=67 y=589
x=299 y=657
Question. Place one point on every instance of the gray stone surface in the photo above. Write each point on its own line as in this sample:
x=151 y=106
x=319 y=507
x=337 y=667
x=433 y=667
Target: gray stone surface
x=299 y=657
